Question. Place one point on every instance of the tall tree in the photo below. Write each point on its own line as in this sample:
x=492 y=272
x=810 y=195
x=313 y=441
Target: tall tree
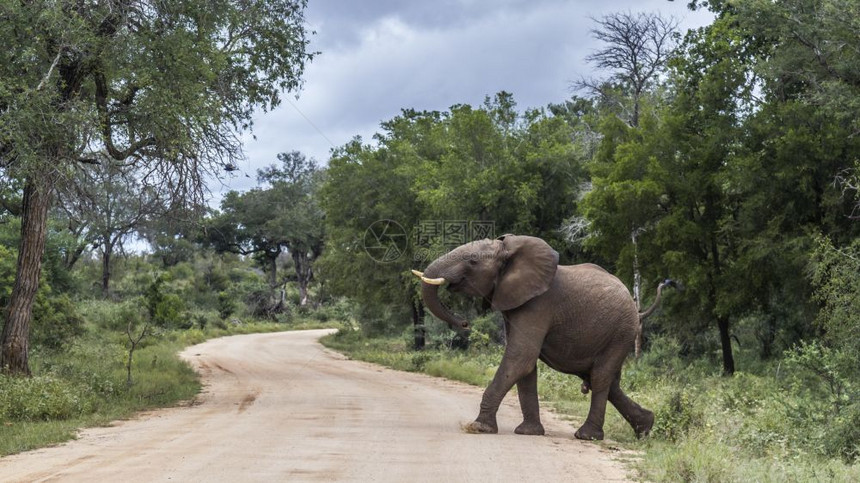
x=292 y=191
x=103 y=204
x=281 y=215
x=635 y=51
x=669 y=175
x=370 y=215
x=163 y=85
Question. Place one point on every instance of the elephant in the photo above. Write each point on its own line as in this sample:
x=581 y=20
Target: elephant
x=578 y=319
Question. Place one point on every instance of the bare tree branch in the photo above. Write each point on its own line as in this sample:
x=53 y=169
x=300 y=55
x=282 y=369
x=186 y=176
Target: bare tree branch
x=636 y=50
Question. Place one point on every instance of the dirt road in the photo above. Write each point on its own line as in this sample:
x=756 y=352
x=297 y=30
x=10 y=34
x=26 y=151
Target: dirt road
x=280 y=407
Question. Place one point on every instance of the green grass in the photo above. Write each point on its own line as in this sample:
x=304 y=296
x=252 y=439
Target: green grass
x=84 y=385
x=762 y=427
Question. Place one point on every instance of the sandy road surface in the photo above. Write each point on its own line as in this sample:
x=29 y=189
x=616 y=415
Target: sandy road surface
x=279 y=407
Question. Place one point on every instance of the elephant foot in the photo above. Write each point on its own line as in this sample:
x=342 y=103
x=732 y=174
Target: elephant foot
x=644 y=427
x=588 y=432
x=478 y=427
x=531 y=429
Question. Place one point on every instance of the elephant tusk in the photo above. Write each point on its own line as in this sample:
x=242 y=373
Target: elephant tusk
x=433 y=281
x=418 y=274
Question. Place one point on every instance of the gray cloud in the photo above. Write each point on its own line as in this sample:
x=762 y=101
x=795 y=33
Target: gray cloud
x=382 y=56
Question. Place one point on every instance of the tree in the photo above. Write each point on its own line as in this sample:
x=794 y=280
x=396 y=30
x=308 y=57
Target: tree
x=669 y=176
x=793 y=166
x=282 y=215
x=370 y=214
x=104 y=204
x=636 y=50
x=166 y=86
x=175 y=234
x=293 y=189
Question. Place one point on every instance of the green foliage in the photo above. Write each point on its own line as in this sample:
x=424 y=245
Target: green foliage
x=488 y=331
x=55 y=317
x=96 y=81
x=41 y=398
x=7 y=274
x=519 y=171
x=675 y=419
x=226 y=304
x=164 y=309
x=281 y=216
x=837 y=289
x=724 y=187
x=844 y=438
x=56 y=321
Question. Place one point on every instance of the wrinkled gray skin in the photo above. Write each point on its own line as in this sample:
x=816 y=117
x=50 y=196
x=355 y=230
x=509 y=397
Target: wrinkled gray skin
x=578 y=319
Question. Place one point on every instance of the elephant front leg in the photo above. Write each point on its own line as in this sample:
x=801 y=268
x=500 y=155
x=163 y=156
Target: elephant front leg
x=516 y=364
x=527 y=392
x=486 y=420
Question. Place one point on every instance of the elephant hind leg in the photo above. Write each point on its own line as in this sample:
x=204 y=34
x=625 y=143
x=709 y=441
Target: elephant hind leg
x=641 y=419
x=598 y=382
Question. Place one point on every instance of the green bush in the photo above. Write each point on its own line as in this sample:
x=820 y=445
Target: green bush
x=226 y=304
x=55 y=319
x=699 y=460
x=56 y=322
x=165 y=309
x=41 y=398
x=843 y=435
x=488 y=330
x=678 y=415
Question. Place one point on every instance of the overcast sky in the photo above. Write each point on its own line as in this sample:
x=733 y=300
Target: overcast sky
x=380 y=56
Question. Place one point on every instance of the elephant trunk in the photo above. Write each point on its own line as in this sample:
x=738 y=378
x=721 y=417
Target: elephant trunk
x=430 y=282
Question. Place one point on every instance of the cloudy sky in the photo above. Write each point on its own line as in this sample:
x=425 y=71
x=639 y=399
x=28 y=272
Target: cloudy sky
x=380 y=56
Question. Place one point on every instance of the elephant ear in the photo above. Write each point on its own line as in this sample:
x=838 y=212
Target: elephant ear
x=530 y=265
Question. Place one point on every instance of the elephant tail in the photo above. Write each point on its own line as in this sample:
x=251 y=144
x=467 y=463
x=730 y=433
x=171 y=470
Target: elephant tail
x=665 y=283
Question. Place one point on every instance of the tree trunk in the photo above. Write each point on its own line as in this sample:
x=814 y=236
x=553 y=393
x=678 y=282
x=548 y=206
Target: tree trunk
x=726 y=343
x=722 y=320
x=303 y=274
x=273 y=270
x=106 y=259
x=15 y=340
x=418 y=324
x=637 y=291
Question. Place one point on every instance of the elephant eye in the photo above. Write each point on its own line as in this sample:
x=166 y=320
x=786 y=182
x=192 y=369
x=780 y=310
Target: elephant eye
x=472 y=261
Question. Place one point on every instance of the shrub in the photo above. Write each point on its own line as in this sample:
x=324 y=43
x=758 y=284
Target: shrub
x=165 y=309
x=226 y=304
x=677 y=415
x=41 y=398
x=488 y=330
x=56 y=321
x=843 y=436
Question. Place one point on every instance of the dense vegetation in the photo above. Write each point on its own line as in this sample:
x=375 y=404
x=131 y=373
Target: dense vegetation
x=733 y=167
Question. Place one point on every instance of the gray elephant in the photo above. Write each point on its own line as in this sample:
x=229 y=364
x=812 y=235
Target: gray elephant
x=578 y=319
